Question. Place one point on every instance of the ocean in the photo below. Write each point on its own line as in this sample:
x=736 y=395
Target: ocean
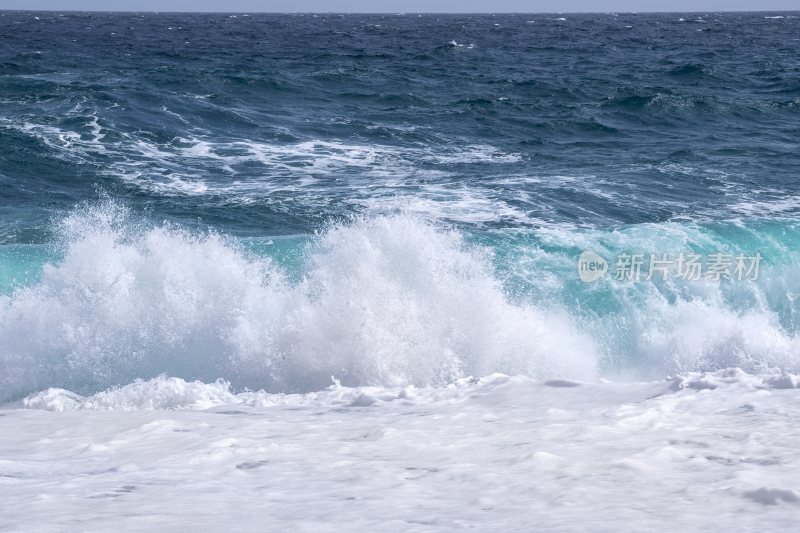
x=510 y=247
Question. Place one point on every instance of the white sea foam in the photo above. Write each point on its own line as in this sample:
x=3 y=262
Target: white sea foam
x=778 y=205
x=386 y=300
x=158 y=393
x=497 y=453
x=471 y=205
x=168 y=393
x=454 y=44
x=375 y=179
x=389 y=300
x=661 y=328
x=188 y=166
x=135 y=154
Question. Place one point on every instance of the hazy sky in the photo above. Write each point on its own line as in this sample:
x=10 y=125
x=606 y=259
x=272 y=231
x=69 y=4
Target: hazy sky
x=410 y=6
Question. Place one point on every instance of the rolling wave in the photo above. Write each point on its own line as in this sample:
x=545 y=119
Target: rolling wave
x=387 y=300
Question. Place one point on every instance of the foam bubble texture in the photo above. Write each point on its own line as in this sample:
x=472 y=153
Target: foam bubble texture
x=389 y=301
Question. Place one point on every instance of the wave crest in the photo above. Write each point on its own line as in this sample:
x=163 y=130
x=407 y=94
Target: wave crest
x=388 y=300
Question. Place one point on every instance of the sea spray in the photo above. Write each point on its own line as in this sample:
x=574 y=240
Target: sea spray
x=386 y=300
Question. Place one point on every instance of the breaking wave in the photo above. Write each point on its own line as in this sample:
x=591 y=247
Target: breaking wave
x=389 y=300
x=384 y=301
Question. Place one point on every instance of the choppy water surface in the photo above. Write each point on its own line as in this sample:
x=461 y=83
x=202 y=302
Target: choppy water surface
x=275 y=199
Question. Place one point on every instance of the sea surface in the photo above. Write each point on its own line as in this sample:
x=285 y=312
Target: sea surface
x=413 y=273
x=395 y=200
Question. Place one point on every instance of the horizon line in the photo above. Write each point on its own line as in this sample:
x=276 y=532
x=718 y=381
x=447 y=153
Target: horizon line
x=396 y=13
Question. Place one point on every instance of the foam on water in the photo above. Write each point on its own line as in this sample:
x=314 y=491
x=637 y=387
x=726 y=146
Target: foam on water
x=672 y=451
x=667 y=326
x=384 y=301
x=389 y=300
x=167 y=167
x=175 y=393
x=157 y=393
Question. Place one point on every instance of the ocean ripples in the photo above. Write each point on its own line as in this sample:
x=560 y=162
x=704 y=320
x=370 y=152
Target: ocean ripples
x=245 y=120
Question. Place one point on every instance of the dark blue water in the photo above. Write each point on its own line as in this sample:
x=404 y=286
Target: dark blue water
x=328 y=146
x=272 y=123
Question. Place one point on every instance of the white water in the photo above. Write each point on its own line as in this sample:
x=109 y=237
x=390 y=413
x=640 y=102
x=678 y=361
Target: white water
x=399 y=312
x=710 y=452
x=386 y=301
